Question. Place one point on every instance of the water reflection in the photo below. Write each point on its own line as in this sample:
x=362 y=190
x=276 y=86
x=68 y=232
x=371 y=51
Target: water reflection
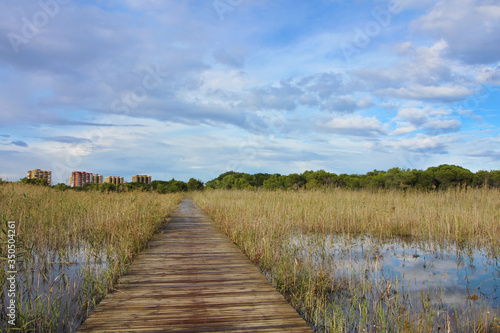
x=449 y=276
x=58 y=288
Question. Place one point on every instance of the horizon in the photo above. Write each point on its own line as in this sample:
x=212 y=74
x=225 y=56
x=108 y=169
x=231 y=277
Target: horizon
x=193 y=90
x=125 y=178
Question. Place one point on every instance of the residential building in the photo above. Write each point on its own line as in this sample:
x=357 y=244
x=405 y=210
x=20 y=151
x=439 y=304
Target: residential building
x=114 y=180
x=78 y=178
x=40 y=174
x=97 y=179
x=141 y=179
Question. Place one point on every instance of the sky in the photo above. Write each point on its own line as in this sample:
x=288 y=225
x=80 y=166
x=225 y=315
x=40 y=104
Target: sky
x=181 y=89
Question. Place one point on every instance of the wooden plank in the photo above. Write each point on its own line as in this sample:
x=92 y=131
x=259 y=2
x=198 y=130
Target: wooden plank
x=192 y=278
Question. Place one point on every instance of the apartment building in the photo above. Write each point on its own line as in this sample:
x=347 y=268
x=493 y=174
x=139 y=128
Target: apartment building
x=114 y=180
x=40 y=174
x=141 y=179
x=79 y=178
x=97 y=179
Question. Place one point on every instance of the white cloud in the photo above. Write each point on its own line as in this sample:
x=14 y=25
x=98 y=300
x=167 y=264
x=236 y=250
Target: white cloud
x=421 y=144
x=346 y=104
x=354 y=126
x=432 y=93
x=433 y=121
x=402 y=129
x=268 y=70
x=470 y=28
x=442 y=126
x=489 y=75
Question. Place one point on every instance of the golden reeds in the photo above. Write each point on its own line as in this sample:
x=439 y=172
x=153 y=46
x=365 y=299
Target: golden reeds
x=98 y=232
x=263 y=223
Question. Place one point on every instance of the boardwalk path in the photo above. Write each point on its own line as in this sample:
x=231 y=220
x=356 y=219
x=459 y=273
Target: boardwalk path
x=192 y=278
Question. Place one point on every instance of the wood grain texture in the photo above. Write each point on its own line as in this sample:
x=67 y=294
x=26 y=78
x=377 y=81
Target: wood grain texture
x=192 y=278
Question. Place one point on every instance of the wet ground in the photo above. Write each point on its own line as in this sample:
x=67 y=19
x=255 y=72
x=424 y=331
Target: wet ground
x=451 y=276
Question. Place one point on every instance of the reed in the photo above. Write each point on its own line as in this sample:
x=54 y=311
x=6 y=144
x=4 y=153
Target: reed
x=72 y=246
x=264 y=223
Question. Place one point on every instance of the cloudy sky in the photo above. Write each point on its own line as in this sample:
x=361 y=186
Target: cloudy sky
x=194 y=88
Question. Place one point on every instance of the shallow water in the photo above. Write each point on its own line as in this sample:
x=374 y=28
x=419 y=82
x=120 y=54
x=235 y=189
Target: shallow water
x=449 y=276
x=58 y=285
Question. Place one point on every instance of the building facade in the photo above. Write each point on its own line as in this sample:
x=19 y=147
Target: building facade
x=40 y=174
x=141 y=179
x=79 y=178
x=97 y=179
x=114 y=180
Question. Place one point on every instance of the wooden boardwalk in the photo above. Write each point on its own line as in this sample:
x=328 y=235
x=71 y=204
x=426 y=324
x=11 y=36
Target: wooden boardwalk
x=192 y=278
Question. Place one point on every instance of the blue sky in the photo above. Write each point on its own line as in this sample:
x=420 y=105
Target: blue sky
x=180 y=89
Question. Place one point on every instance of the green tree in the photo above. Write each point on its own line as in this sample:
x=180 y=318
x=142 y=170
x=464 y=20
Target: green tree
x=426 y=180
x=481 y=179
x=108 y=187
x=61 y=187
x=294 y=181
x=274 y=182
x=452 y=175
x=41 y=182
x=194 y=185
x=494 y=180
x=320 y=179
x=214 y=183
x=258 y=179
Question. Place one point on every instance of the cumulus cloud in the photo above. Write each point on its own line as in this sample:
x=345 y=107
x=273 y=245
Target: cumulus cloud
x=470 y=28
x=423 y=74
x=421 y=144
x=345 y=104
x=419 y=66
x=281 y=97
x=126 y=68
x=433 y=121
x=489 y=75
x=323 y=84
x=430 y=93
x=354 y=126
x=402 y=129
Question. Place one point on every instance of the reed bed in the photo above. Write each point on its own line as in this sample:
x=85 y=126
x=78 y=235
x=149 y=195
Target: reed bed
x=71 y=247
x=264 y=224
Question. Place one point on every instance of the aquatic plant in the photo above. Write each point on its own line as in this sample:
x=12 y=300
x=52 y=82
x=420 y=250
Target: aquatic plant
x=265 y=225
x=71 y=247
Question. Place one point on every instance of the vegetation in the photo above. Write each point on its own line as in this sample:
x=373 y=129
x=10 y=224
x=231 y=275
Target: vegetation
x=159 y=186
x=90 y=235
x=59 y=231
x=41 y=182
x=441 y=177
x=434 y=178
x=264 y=225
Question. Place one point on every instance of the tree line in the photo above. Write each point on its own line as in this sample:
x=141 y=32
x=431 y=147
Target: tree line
x=434 y=178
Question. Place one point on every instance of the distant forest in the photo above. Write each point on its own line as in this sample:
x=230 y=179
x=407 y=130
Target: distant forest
x=434 y=178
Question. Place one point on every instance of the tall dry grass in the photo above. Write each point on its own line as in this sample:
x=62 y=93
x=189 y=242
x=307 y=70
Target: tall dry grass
x=263 y=223
x=98 y=233
x=464 y=216
x=48 y=219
